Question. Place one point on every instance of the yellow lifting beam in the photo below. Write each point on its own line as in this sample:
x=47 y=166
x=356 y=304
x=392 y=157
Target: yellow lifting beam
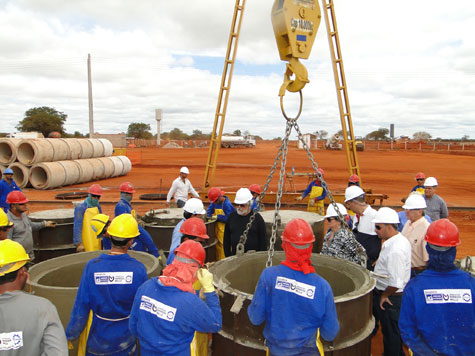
x=215 y=141
x=341 y=88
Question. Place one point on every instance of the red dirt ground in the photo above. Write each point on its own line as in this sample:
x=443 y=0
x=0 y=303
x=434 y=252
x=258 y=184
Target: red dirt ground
x=386 y=172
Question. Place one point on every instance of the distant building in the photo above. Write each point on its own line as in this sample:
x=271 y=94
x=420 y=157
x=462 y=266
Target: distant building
x=310 y=139
x=117 y=140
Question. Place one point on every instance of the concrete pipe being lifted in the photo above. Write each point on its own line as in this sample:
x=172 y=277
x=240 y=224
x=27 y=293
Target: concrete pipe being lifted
x=21 y=174
x=8 y=150
x=236 y=278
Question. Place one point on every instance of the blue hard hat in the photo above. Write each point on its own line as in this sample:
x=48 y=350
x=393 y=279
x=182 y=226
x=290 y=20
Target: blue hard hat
x=8 y=171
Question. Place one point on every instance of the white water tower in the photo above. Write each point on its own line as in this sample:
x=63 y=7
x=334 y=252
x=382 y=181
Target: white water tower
x=158 y=117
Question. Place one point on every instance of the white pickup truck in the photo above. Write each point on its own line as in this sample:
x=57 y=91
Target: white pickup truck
x=237 y=141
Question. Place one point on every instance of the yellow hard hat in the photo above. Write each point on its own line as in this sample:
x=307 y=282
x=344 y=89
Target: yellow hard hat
x=12 y=256
x=98 y=222
x=124 y=226
x=4 y=219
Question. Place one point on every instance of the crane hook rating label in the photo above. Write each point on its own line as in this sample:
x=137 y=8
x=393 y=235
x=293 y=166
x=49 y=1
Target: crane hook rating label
x=295 y=24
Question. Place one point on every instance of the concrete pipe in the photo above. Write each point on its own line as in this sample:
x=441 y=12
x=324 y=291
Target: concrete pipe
x=97 y=148
x=46 y=175
x=86 y=170
x=86 y=148
x=53 y=242
x=74 y=148
x=61 y=151
x=160 y=224
x=315 y=221
x=33 y=151
x=8 y=150
x=126 y=164
x=2 y=168
x=21 y=174
x=98 y=168
x=118 y=165
x=108 y=166
x=58 y=279
x=236 y=279
x=108 y=148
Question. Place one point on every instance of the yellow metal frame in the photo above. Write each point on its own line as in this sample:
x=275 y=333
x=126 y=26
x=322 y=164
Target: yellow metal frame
x=341 y=88
x=215 y=141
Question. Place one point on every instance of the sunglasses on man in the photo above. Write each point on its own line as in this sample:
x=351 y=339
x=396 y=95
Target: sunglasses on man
x=6 y=228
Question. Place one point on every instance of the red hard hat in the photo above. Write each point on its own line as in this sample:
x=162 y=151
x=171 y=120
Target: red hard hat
x=298 y=231
x=255 y=188
x=322 y=172
x=213 y=194
x=127 y=187
x=192 y=250
x=194 y=227
x=16 y=197
x=354 y=178
x=443 y=232
x=95 y=189
x=420 y=175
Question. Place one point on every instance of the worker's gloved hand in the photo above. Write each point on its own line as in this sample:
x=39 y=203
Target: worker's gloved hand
x=80 y=247
x=70 y=345
x=299 y=198
x=206 y=279
x=50 y=223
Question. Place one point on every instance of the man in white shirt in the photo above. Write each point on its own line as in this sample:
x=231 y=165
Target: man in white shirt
x=180 y=189
x=415 y=230
x=392 y=271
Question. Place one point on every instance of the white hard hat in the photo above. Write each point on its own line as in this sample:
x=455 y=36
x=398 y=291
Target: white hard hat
x=386 y=216
x=353 y=192
x=331 y=212
x=184 y=170
x=243 y=196
x=430 y=182
x=415 y=201
x=194 y=206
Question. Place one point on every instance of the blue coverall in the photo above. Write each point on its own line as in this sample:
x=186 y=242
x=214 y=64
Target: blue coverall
x=108 y=286
x=79 y=211
x=164 y=318
x=176 y=240
x=5 y=189
x=226 y=206
x=143 y=242
x=293 y=305
x=438 y=314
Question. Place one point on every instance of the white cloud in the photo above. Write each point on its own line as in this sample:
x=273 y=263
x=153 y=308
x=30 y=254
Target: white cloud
x=411 y=63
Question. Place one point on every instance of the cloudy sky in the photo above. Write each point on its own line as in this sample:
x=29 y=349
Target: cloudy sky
x=411 y=63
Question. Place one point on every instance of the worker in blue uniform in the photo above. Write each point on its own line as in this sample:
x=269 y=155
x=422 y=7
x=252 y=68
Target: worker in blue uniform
x=256 y=191
x=167 y=312
x=144 y=241
x=84 y=238
x=221 y=207
x=437 y=312
x=295 y=303
x=107 y=290
x=193 y=208
x=419 y=187
x=316 y=195
x=192 y=229
x=7 y=185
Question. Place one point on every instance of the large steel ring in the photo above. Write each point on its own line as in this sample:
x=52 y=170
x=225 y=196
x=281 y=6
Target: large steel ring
x=283 y=110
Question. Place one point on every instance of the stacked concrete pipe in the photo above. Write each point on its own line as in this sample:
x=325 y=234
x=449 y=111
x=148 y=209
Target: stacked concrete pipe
x=8 y=149
x=46 y=175
x=21 y=174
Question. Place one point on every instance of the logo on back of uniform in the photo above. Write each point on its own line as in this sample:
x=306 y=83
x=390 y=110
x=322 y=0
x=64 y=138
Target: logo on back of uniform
x=445 y=296
x=295 y=287
x=11 y=341
x=104 y=278
x=157 y=308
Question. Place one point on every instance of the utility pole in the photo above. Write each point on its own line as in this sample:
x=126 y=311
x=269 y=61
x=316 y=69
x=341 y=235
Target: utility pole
x=89 y=86
x=158 y=117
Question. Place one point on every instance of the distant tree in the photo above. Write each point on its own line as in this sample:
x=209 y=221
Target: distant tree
x=177 y=134
x=237 y=133
x=246 y=133
x=77 y=134
x=258 y=138
x=379 y=134
x=421 y=136
x=321 y=134
x=465 y=137
x=139 y=130
x=43 y=119
x=277 y=139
